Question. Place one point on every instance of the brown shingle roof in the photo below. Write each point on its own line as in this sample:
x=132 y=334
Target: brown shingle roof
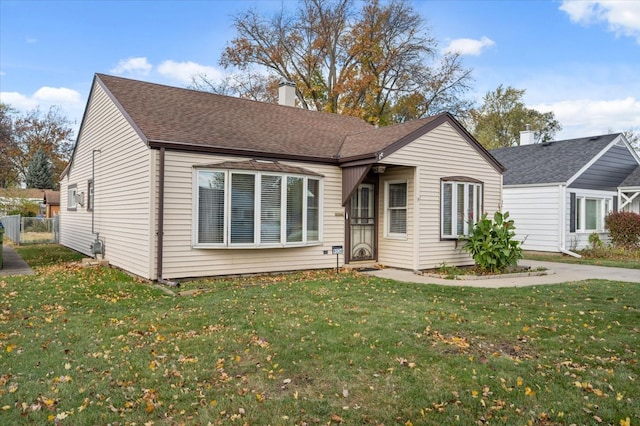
x=200 y=121
x=264 y=166
x=192 y=117
x=376 y=140
x=52 y=197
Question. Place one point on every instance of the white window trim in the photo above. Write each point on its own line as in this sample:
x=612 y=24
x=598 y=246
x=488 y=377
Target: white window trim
x=72 y=197
x=581 y=201
x=257 y=216
x=477 y=188
x=387 y=209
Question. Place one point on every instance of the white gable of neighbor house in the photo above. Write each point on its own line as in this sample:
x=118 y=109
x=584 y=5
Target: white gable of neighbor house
x=123 y=196
x=440 y=153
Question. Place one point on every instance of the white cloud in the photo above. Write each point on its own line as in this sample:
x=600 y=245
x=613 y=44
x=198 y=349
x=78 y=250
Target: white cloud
x=623 y=17
x=32 y=40
x=43 y=97
x=136 y=66
x=469 y=46
x=184 y=71
x=587 y=117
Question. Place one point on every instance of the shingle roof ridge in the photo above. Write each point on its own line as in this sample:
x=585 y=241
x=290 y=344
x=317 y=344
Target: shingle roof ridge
x=234 y=98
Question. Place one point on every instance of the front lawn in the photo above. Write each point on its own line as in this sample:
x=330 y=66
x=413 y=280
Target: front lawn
x=96 y=346
x=605 y=256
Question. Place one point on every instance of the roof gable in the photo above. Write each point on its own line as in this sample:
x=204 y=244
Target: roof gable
x=190 y=120
x=551 y=162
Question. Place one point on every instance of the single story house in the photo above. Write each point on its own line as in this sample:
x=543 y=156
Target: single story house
x=174 y=183
x=559 y=192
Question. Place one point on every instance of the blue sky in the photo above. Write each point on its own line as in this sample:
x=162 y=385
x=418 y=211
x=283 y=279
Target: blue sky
x=579 y=59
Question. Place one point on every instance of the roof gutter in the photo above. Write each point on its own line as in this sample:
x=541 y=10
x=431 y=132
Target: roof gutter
x=210 y=149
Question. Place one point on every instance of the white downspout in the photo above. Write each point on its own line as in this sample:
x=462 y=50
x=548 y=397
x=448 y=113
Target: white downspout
x=563 y=223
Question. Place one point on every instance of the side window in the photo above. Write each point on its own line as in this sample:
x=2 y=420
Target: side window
x=72 y=197
x=396 y=203
x=90 y=195
x=460 y=206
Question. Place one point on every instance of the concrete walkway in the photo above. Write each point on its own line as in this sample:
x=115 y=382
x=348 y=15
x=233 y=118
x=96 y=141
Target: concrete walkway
x=556 y=273
x=12 y=263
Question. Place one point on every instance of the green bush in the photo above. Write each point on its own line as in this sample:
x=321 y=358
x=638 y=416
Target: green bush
x=624 y=228
x=492 y=244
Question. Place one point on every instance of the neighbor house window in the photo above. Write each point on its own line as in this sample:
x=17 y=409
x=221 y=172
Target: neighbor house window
x=460 y=206
x=72 y=197
x=590 y=213
x=90 y=195
x=248 y=208
x=396 y=207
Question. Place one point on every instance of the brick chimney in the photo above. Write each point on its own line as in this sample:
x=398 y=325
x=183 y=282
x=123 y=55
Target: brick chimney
x=287 y=93
x=527 y=136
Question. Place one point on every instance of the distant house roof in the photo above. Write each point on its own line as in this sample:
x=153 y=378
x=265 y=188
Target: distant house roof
x=52 y=198
x=187 y=119
x=551 y=162
x=30 y=193
x=633 y=179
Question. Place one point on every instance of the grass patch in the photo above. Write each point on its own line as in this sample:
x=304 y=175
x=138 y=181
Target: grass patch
x=604 y=256
x=47 y=254
x=96 y=346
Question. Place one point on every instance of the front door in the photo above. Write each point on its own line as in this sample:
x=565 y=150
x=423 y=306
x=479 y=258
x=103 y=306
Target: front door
x=362 y=223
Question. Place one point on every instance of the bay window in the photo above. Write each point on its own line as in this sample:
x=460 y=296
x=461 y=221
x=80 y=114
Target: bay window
x=237 y=208
x=460 y=206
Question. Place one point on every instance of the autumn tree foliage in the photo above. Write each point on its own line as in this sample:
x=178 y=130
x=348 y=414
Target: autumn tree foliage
x=368 y=59
x=33 y=131
x=8 y=174
x=503 y=115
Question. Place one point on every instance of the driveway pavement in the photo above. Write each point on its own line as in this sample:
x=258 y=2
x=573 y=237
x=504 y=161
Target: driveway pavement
x=556 y=273
x=12 y=263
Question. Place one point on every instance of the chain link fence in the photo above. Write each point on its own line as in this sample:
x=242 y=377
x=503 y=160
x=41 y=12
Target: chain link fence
x=31 y=230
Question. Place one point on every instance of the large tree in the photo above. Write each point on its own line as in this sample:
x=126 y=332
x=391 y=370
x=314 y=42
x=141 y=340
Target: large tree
x=39 y=173
x=8 y=175
x=503 y=114
x=34 y=130
x=367 y=59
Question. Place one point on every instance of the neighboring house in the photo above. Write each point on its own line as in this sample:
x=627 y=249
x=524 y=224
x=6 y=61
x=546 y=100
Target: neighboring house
x=629 y=192
x=51 y=203
x=558 y=193
x=18 y=198
x=179 y=183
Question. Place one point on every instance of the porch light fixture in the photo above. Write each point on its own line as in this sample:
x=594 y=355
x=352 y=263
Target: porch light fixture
x=379 y=168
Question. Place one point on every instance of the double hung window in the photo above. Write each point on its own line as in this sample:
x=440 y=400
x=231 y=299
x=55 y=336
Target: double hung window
x=590 y=213
x=396 y=206
x=461 y=207
x=72 y=197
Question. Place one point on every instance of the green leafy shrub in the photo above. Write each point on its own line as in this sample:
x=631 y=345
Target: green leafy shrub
x=595 y=241
x=492 y=244
x=624 y=228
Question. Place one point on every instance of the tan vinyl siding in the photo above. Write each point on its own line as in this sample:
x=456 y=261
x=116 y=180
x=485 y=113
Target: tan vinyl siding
x=395 y=251
x=122 y=188
x=440 y=153
x=181 y=259
x=536 y=213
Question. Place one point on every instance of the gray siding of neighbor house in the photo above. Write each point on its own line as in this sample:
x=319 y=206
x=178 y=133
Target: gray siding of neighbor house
x=608 y=172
